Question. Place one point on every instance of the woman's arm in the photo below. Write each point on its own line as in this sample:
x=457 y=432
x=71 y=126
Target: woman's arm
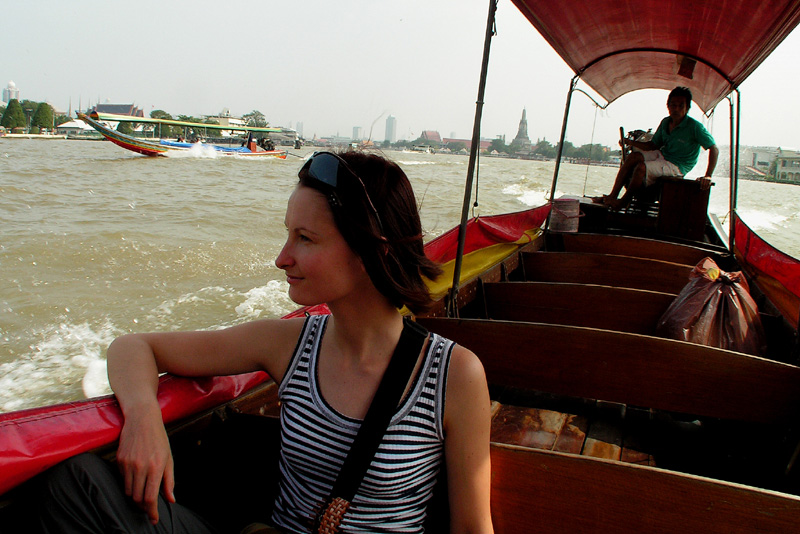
x=134 y=363
x=467 y=425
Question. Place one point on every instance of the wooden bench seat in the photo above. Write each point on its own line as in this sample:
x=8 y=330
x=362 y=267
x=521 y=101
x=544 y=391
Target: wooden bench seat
x=630 y=369
x=606 y=269
x=580 y=494
x=629 y=246
x=626 y=310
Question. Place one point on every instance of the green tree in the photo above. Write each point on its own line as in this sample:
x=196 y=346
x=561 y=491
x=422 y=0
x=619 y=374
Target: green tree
x=43 y=117
x=457 y=147
x=28 y=108
x=544 y=149
x=164 y=130
x=569 y=150
x=61 y=119
x=255 y=118
x=125 y=128
x=499 y=145
x=160 y=114
x=192 y=131
x=14 y=117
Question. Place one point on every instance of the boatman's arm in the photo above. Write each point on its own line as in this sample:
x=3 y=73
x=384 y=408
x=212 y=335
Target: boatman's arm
x=713 y=156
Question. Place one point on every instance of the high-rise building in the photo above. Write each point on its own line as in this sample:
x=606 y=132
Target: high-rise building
x=391 y=129
x=358 y=133
x=11 y=92
x=299 y=128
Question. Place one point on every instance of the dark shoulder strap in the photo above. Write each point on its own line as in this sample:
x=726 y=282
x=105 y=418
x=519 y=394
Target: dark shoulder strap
x=380 y=412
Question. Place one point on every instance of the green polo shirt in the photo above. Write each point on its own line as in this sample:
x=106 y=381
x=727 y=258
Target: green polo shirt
x=682 y=145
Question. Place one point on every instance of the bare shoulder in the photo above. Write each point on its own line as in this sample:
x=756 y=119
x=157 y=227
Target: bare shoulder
x=465 y=369
x=270 y=342
x=467 y=389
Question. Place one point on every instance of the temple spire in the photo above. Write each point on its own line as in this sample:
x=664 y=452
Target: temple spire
x=521 y=142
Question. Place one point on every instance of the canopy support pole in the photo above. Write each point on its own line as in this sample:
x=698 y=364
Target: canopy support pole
x=452 y=298
x=572 y=83
x=735 y=114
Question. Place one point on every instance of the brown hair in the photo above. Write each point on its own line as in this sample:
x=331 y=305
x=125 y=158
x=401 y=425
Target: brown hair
x=392 y=248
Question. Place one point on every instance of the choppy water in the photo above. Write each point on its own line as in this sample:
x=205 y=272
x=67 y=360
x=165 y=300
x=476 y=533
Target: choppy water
x=96 y=242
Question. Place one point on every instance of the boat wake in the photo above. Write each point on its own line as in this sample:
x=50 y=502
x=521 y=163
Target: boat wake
x=197 y=151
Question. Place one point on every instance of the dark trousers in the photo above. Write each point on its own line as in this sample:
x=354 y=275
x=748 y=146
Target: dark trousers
x=85 y=495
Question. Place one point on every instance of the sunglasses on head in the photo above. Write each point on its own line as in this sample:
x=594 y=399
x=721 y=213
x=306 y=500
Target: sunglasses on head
x=325 y=167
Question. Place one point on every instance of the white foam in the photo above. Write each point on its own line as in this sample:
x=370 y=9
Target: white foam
x=405 y=163
x=529 y=197
x=197 y=150
x=271 y=300
x=49 y=372
x=763 y=220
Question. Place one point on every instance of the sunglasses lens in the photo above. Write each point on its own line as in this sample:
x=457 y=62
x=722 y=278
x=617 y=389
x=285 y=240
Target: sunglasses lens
x=325 y=168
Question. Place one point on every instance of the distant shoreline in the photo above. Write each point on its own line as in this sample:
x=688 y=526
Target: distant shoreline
x=33 y=136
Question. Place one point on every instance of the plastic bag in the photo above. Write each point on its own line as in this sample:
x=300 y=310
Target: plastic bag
x=715 y=309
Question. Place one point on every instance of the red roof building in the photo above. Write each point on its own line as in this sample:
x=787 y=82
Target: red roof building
x=119 y=109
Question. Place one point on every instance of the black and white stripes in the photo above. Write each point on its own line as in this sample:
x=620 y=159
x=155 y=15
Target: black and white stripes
x=315 y=440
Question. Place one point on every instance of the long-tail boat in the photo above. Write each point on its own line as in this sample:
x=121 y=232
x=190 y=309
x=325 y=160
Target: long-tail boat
x=598 y=424
x=163 y=147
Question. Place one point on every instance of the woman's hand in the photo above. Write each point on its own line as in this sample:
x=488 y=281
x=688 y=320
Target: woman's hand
x=145 y=460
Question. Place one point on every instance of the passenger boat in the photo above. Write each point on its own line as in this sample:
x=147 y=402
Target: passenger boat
x=163 y=147
x=598 y=424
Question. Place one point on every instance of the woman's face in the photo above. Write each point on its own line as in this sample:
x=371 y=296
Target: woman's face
x=320 y=266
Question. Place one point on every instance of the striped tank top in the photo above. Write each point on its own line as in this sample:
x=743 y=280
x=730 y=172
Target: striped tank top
x=315 y=440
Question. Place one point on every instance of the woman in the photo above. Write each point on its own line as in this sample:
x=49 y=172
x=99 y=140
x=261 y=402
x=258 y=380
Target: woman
x=354 y=242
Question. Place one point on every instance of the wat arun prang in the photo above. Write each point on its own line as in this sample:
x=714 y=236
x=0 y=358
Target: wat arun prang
x=521 y=142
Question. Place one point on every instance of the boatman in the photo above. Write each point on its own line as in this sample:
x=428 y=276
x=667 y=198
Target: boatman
x=673 y=151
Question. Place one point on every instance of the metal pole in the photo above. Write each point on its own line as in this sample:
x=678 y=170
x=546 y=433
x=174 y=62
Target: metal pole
x=572 y=83
x=735 y=116
x=452 y=301
x=732 y=186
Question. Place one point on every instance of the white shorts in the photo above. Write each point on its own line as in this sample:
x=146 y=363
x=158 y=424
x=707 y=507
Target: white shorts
x=657 y=167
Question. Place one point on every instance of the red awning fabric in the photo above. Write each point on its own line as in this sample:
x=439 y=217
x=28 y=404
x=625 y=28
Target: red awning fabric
x=486 y=231
x=777 y=273
x=34 y=440
x=619 y=47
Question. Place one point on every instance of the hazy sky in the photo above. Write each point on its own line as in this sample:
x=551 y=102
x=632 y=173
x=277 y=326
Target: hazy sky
x=336 y=65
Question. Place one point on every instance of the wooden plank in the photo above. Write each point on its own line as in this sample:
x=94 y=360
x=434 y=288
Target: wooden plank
x=607 y=270
x=629 y=368
x=547 y=491
x=612 y=308
x=572 y=435
x=601 y=449
x=636 y=457
x=527 y=427
x=604 y=440
x=630 y=246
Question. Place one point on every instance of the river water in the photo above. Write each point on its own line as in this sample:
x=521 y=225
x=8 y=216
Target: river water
x=96 y=242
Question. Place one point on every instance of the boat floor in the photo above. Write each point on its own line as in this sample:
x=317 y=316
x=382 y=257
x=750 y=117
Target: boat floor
x=748 y=453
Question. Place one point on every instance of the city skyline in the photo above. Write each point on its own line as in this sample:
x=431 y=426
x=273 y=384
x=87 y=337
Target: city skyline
x=418 y=61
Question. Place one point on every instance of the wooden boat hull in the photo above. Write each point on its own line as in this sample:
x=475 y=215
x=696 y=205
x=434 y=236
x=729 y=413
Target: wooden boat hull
x=568 y=401
x=163 y=148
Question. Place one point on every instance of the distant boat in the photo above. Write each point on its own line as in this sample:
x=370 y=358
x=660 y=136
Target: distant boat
x=162 y=147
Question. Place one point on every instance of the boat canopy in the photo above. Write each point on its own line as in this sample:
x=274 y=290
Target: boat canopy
x=619 y=47
x=127 y=118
